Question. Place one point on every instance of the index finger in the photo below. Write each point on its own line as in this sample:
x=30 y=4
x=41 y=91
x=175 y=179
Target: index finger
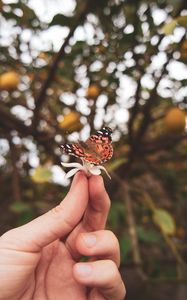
x=95 y=215
x=54 y=224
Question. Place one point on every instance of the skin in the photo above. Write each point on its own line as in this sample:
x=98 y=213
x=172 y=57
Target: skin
x=41 y=260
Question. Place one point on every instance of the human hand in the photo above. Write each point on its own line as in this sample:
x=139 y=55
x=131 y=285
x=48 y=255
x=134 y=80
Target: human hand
x=41 y=260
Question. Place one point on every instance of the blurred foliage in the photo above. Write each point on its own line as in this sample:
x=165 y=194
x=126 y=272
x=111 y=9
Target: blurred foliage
x=121 y=64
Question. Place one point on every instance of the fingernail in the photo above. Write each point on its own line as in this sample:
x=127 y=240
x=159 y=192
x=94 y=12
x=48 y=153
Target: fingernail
x=90 y=240
x=83 y=269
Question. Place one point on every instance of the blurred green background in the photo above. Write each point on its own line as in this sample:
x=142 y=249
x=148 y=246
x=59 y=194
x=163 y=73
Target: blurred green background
x=68 y=68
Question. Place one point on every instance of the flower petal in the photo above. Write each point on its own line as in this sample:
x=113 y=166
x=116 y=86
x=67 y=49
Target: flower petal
x=86 y=167
x=71 y=173
x=69 y=165
x=102 y=168
x=94 y=171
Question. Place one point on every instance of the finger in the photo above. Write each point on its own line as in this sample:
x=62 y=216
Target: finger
x=95 y=215
x=103 y=275
x=98 y=206
x=102 y=244
x=54 y=224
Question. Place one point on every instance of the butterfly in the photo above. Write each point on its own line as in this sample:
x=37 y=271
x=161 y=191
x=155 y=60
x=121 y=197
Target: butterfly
x=96 y=150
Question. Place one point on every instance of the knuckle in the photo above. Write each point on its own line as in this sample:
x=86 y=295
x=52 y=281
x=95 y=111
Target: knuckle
x=8 y=238
x=112 y=268
x=56 y=210
x=108 y=203
x=111 y=265
x=124 y=289
x=113 y=239
x=8 y=235
x=115 y=277
x=4 y=238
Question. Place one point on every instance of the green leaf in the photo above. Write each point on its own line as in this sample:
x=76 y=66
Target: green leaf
x=78 y=48
x=61 y=20
x=41 y=175
x=168 y=28
x=125 y=247
x=116 y=215
x=165 y=221
x=19 y=207
x=147 y=236
x=25 y=217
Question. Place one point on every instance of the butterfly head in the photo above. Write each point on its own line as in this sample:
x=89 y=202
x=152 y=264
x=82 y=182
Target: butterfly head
x=105 y=132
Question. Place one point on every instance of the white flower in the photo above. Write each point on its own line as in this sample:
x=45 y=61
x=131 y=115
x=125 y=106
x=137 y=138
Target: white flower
x=88 y=168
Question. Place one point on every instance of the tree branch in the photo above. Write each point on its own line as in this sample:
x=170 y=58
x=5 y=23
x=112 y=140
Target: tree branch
x=134 y=110
x=11 y=122
x=162 y=143
x=16 y=186
x=53 y=68
x=150 y=102
x=131 y=226
x=147 y=108
x=150 y=204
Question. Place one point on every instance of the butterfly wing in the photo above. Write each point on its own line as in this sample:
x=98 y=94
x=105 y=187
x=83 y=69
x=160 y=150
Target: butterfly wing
x=99 y=154
x=96 y=150
x=99 y=147
x=73 y=149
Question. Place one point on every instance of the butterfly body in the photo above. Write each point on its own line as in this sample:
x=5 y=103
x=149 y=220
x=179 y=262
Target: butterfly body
x=96 y=150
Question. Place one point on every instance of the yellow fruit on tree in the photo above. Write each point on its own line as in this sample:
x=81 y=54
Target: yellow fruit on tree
x=183 y=51
x=70 y=121
x=9 y=80
x=175 y=120
x=93 y=91
x=75 y=127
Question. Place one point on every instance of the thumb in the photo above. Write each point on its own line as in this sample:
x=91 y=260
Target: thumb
x=56 y=223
